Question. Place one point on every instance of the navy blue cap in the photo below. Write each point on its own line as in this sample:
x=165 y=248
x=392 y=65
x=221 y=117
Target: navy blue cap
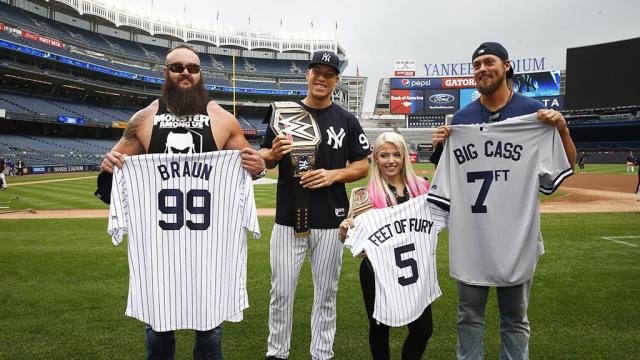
x=328 y=58
x=493 y=48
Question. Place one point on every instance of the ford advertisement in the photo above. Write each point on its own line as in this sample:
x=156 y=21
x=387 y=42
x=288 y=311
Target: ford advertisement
x=441 y=101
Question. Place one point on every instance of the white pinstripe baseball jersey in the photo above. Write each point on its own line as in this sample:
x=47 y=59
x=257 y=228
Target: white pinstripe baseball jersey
x=400 y=241
x=488 y=179
x=185 y=215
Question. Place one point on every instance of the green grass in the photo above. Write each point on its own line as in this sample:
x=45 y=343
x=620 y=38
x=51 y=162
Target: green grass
x=69 y=194
x=45 y=177
x=610 y=169
x=63 y=290
x=78 y=194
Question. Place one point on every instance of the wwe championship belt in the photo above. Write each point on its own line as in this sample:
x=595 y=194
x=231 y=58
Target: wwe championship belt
x=360 y=202
x=291 y=119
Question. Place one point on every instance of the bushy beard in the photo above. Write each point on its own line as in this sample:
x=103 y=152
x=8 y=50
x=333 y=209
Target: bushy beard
x=184 y=101
x=492 y=87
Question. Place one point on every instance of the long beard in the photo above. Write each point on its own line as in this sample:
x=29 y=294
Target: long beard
x=492 y=87
x=187 y=101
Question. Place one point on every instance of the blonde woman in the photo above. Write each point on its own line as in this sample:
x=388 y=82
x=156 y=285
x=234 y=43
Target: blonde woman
x=393 y=181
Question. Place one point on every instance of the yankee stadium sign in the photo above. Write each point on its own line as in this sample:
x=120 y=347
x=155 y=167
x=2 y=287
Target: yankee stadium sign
x=466 y=69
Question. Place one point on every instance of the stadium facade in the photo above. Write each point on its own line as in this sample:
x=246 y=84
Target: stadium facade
x=76 y=70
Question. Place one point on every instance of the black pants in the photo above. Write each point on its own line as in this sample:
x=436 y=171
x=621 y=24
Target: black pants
x=420 y=330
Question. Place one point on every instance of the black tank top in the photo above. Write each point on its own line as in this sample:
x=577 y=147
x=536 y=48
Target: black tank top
x=181 y=134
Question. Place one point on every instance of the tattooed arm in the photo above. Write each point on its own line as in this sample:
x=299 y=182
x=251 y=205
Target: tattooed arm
x=133 y=139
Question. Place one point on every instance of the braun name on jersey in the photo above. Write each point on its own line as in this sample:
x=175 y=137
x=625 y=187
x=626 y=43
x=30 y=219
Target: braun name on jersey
x=194 y=169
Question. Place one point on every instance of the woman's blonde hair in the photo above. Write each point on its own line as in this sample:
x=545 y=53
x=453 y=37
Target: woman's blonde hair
x=378 y=188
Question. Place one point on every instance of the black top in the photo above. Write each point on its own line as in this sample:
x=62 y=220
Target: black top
x=2 y=165
x=181 y=134
x=342 y=140
x=400 y=199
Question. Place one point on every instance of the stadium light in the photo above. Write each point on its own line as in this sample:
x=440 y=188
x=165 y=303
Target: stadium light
x=73 y=87
x=28 y=79
x=107 y=93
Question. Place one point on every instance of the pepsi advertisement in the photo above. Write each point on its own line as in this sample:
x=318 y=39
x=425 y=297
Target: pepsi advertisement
x=441 y=101
x=406 y=102
x=535 y=84
x=415 y=83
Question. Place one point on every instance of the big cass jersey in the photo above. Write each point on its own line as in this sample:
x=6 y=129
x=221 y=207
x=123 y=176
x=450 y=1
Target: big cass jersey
x=186 y=216
x=488 y=179
x=400 y=242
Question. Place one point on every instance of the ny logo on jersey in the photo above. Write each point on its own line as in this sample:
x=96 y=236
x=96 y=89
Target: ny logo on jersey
x=335 y=139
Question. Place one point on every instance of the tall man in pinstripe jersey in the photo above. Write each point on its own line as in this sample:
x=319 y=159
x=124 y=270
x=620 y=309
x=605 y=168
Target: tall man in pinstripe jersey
x=183 y=120
x=341 y=157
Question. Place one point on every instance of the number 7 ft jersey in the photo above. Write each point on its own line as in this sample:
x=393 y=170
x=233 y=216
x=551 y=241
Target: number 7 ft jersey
x=400 y=242
x=488 y=179
x=186 y=216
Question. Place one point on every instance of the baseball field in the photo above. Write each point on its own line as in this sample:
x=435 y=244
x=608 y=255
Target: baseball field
x=63 y=285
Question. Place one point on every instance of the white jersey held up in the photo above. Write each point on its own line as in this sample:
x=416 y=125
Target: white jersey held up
x=186 y=216
x=400 y=241
x=488 y=178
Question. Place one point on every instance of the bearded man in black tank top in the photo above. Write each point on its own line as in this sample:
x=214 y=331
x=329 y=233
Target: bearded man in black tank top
x=183 y=120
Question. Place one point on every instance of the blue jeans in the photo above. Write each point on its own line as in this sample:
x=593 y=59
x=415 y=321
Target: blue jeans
x=162 y=345
x=513 y=302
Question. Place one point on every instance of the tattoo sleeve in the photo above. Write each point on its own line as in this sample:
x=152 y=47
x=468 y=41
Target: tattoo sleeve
x=130 y=130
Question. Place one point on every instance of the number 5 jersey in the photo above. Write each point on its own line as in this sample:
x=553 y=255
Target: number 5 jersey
x=488 y=179
x=186 y=216
x=400 y=241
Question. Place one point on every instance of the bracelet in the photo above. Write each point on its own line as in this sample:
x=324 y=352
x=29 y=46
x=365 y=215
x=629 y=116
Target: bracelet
x=260 y=175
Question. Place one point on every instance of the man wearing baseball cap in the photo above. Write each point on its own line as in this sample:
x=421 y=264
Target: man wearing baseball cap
x=340 y=157
x=497 y=102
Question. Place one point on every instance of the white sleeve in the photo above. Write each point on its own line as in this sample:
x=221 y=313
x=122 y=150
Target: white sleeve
x=119 y=207
x=440 y=187
x=249 y=213
x=554 y=166
x=440 y=217
x=355 y=240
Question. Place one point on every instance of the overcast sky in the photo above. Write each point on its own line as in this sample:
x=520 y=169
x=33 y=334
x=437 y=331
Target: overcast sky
x=374 y=33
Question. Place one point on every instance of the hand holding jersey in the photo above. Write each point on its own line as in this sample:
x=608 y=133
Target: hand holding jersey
x=488 y=179
x=185 y=121
x=483 y=180
x=400 y=242
x=181 y=251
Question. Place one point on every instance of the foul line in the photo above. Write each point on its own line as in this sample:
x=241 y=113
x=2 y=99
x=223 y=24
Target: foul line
x=613 y=238
x=50 y=181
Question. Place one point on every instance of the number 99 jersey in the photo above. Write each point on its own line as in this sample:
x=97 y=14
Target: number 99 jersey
x=185 y=215
x=400 y=241
x=488 y=179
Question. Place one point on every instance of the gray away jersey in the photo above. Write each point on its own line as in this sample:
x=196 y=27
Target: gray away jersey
x=488 y=179
x=186 y=216
x=400 y=241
